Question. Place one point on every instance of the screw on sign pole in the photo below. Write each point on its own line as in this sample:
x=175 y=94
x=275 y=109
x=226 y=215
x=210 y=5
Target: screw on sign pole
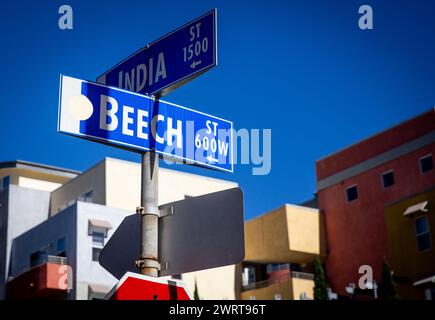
x=148 y=263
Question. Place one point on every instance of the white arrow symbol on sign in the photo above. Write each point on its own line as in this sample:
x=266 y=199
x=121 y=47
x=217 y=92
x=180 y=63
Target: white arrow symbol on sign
x=195 y=63
x=211 y=159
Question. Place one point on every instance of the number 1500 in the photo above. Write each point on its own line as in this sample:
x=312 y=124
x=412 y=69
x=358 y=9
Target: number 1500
x=195 y=49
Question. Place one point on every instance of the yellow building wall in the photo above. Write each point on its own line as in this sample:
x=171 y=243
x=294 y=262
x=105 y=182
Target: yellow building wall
x=288 y=234
x=304 y=227
x=303 y=285
x=266 y=237
x=284 y=288
x=404 y=257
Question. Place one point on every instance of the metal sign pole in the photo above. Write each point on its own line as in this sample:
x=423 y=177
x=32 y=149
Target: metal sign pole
x=148 y=263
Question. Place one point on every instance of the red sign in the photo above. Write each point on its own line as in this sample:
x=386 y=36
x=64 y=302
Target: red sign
x=134 y=286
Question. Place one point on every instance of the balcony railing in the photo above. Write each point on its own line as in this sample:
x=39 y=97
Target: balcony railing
x=302 y=275
x=269 y=282
x=48 y=259
x=42 y=259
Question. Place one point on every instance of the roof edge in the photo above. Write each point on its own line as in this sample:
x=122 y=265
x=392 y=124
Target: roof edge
x=21 y=163
x=374 y=135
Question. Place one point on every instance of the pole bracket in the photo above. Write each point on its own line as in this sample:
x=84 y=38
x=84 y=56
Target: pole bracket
x=166 y=211
x=140 y=210
x=148 y=210
x=164 y=266
x=142 y=263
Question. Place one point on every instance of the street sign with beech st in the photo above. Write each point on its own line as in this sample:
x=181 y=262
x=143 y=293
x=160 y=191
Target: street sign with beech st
x=138 y=122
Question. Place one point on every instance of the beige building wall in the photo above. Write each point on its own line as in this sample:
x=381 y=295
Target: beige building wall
x=123 y=184
x=37 y=184
x=116 y=183
x=93 y=179
x=33 y=179
x=213 y=284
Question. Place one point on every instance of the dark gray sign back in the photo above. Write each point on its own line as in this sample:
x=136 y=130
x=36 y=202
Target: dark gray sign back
x=203 y=232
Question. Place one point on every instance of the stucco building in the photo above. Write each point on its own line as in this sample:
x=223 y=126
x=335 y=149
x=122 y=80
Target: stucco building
x=53 y=217
x=280 y=248
x=357 y=185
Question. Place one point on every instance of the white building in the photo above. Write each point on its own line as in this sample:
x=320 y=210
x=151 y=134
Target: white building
x=50 y=217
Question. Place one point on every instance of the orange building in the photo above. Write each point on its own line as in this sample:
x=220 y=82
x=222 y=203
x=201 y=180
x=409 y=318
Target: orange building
x=355 y=185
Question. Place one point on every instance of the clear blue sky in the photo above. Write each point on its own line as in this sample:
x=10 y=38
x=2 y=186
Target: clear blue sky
x=302 y=68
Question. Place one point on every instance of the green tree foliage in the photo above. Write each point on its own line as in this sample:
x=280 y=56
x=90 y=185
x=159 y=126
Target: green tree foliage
x=320 y=292
x=388 y=289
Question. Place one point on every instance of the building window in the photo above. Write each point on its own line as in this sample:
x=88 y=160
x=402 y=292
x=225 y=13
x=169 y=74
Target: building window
x=388 y=179
x=98 y=230
x=98 y=238
x=5 y=182
x=61 y=244
x=426 y=163
x=86 y=197
x=422 y=233
x=37 y=257
x=248 y=276
x=430 y=294
x=273 y=267
x=352 y=193
x=96 y=253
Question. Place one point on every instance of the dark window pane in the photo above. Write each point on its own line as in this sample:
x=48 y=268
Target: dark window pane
x=95 y=253
x=87 y=197
x=421 y=225
x=37 y=258
x=5 y=182
x=61 y=244
x=423 y=242
x=426 y=164
x=388 y=179
x=98 y=238
x=352 y=193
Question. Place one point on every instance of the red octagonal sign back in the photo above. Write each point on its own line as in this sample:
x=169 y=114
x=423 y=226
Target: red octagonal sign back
x=134 y=286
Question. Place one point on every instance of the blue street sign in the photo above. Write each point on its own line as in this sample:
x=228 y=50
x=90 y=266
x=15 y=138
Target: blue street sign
x=170 y=61
x=138 y=122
